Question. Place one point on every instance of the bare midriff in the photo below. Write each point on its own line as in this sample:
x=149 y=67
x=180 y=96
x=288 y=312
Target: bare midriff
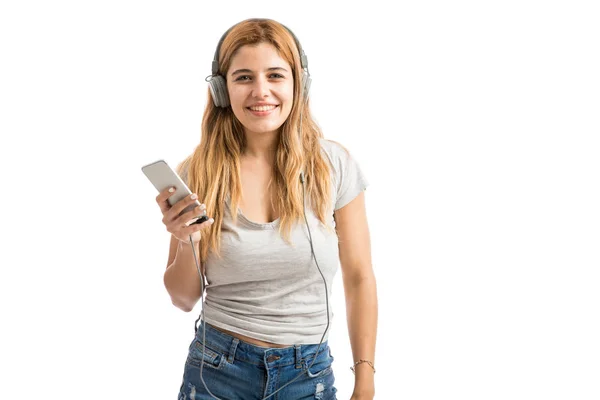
x=250 y=340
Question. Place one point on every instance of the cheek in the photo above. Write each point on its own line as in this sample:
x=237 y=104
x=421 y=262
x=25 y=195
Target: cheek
x=287 y=110
x=234 y=95
x=289 y=91
x=237 y=102
x=288 y=95
x=237 y=93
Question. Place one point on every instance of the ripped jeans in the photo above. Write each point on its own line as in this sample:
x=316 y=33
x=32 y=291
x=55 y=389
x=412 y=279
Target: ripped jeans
x=234 y=370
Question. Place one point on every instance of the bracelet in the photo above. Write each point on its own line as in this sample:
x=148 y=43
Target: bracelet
x=360 y=362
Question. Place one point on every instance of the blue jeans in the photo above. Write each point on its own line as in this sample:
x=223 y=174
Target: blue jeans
x=234 y=369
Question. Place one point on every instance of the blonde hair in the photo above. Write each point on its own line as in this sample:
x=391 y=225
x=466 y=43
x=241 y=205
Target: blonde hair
x=213 y=169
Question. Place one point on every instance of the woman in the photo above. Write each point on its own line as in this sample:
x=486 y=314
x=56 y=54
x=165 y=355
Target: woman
x=270 y=264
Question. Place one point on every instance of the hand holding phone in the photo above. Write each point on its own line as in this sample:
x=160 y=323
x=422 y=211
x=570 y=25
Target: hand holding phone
x=182 y=215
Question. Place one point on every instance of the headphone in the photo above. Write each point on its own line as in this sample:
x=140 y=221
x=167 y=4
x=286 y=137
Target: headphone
x=218 y=84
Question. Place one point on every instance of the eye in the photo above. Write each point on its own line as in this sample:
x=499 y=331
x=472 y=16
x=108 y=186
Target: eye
x=241 y=78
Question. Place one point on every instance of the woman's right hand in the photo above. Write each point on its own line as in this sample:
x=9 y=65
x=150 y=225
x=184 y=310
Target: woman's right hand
x=175 y=223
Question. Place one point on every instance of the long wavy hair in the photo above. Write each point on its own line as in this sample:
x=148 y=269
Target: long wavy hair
x=213 y=169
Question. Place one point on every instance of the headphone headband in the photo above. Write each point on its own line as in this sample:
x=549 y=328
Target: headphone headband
x=215 y=63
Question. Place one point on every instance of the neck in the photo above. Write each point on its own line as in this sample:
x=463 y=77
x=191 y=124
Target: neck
x=261 y=146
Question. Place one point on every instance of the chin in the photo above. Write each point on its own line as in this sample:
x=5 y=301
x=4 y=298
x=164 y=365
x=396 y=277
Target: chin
x=263 y=128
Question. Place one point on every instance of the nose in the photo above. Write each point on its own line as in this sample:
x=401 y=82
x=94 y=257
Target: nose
x=261 y=87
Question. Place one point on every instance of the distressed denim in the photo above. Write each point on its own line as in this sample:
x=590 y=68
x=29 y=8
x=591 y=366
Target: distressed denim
x=236 y=370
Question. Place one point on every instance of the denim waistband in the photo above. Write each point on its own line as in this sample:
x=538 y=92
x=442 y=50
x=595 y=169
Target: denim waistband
x=233 y=348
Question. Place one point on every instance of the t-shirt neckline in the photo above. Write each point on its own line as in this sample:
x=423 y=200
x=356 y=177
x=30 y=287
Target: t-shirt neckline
x=260 y=225
x=248 y=222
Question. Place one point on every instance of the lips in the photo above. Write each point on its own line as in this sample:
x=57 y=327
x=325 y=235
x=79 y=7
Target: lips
x=263 y=112
x=263 y=107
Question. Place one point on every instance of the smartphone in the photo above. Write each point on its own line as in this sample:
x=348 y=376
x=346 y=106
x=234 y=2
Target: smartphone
x=162 y=177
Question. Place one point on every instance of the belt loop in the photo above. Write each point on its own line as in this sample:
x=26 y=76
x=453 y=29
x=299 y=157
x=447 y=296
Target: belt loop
x=232 y=350
x=298 y=352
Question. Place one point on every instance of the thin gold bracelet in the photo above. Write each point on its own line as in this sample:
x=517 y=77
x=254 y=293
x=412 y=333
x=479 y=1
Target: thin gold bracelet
x=359 y=362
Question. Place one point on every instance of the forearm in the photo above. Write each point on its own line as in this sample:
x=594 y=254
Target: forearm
x=361 y=313
x=181 y=278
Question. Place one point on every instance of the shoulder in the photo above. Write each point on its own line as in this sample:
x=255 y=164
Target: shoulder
x=349 y=179
x=332 y=147
x=336 y=153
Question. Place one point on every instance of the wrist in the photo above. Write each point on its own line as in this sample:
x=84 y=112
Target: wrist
x=362 y=363
x=364 y=379
x=363 y=392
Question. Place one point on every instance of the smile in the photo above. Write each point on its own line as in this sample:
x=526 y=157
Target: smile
x=262 y=110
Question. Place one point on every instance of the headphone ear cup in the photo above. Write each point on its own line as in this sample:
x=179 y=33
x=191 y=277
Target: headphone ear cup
x=306 y=81
x=218 y=90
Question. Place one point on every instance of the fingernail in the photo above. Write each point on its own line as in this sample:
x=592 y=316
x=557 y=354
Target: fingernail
x=210 y=221
x=194 y=196
x=171 y=190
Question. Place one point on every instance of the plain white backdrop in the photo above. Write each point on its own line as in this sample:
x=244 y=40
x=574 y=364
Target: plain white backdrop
x=476 y=124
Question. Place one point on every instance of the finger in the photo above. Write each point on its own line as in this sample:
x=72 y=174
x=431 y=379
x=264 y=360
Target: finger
x=178 y=207
x=196 y=212
x=162 y=199
x=197 y=228
x=202 y=226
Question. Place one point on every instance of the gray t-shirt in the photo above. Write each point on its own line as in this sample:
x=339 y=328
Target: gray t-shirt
x=266 y=289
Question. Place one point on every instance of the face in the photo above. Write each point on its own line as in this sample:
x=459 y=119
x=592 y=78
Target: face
x=261 y=88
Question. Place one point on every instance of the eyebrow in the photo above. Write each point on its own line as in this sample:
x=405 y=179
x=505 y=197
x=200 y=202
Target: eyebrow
x=239 y=71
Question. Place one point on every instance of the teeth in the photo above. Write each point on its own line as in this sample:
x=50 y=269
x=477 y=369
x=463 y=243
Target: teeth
x=262 y=108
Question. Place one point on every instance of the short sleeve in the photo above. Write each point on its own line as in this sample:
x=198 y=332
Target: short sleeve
x=350 y=179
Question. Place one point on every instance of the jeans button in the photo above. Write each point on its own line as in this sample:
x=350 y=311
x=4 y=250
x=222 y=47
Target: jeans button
x=272 y=358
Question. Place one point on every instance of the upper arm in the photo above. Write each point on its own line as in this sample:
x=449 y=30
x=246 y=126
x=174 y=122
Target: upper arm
x=354 y=240
x=172 y=250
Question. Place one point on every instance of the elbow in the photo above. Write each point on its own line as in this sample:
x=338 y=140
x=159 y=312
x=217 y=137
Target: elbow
x=176 y=300
x=182 y=296
x=182 y=306
x=185 y=305
x=359 y=279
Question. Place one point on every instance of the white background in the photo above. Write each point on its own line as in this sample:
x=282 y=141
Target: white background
x=476 y=123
